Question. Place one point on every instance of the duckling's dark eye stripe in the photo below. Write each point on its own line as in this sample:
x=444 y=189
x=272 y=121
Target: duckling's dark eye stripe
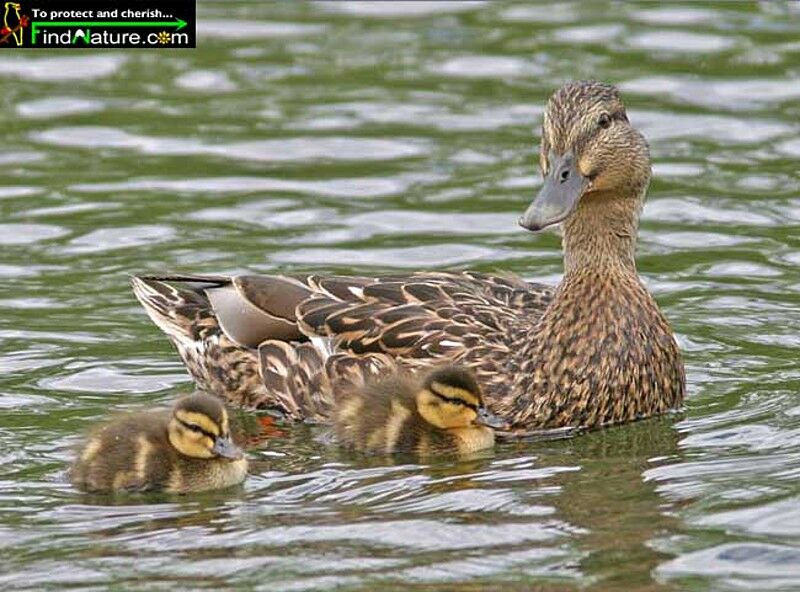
x=456 y=401
x=195 y=428
x=454 y=394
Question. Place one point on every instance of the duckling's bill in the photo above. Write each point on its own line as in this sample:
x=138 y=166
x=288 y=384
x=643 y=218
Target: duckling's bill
x=225 y=448
x=490 y=420
x=560 y=194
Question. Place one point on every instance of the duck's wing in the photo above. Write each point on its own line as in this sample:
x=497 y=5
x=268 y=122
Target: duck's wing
x=421 y=315
x=425 y=317
x=282 y=341
x=372 y=325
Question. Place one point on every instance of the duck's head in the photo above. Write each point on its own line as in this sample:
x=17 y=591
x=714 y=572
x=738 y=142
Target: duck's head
x=199 y=428
x=589 y=151
x=451 y=398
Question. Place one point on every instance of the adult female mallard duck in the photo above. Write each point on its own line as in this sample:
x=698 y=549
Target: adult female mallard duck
x=441 y=413
x=594 y=351
x=186 y=449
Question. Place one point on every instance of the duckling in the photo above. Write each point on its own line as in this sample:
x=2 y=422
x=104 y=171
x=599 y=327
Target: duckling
x=183 y=450
x=442 y=413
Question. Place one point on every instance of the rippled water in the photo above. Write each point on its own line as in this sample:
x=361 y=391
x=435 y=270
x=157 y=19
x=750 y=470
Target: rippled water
x=352 y=137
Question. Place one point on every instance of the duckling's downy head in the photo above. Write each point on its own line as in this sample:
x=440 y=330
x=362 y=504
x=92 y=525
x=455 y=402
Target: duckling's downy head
x=451 y=398
x=199 y=428
x=589 y=150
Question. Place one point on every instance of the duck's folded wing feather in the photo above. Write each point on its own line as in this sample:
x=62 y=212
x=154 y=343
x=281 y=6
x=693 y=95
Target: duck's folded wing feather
x=303 y=381
x=421 y=316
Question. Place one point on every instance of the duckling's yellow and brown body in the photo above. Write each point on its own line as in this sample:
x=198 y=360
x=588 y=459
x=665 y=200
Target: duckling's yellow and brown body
x=594 y=351
x=441 y=413
x=182 y=450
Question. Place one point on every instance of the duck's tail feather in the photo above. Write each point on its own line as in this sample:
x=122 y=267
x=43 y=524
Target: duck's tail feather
x=184 y=314
x=192 y=278
x=217 y=364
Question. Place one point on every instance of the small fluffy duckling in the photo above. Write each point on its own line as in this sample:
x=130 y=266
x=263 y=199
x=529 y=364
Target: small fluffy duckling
x=443 y=413
x=183 y=450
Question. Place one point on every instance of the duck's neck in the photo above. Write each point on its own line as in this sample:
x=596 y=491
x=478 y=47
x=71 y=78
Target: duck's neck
x=601 y=234
x=601 y=352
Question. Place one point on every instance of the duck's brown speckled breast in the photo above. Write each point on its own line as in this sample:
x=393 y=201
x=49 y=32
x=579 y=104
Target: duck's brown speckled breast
x=603 y=354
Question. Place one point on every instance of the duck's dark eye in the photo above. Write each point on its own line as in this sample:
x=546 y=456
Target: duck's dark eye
x=194 y=428
x=604 y=120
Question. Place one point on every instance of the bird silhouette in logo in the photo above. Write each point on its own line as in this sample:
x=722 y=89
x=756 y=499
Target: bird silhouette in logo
x=13 y=23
